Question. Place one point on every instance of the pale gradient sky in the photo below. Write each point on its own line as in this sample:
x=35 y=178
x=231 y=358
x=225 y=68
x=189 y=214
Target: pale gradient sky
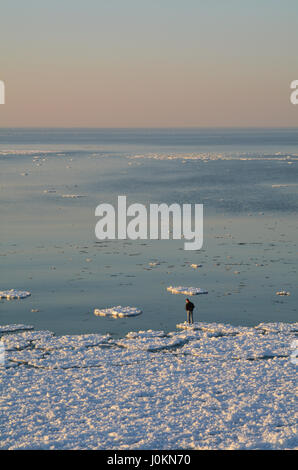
x=148 y=63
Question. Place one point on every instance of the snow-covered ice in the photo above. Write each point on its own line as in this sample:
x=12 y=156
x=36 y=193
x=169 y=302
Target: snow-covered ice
x=24 y=339
x=277 y=327
x=118 y=311
x=151 y=341
x=14 y=327
x=220 y=329
x=70 y=341
x=14 y=294
x=205 y=386
x=187 y=290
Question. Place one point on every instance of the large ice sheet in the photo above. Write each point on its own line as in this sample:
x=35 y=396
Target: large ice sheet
x=240 y=347
x=71 y=341
x=211 y=386
x=14 y=294
x=213 y=156
x=23 y=340
x=219 y=329
x=67 y=358
x=278 y=327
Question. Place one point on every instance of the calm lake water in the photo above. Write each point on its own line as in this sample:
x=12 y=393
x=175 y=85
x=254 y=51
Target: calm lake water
x=247 y=180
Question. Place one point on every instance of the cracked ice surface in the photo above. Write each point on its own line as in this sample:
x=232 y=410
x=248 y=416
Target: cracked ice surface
x=210 y=386
x=151 y=343
x=219 y=329
x=15 y=327
x=240 y=347
x=24 y=340
x=278 y=327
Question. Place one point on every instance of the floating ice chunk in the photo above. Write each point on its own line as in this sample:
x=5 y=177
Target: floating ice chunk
x=118 y=311
x=14 y=294
x=187 y=290
x=283 y=292
x=72 y=196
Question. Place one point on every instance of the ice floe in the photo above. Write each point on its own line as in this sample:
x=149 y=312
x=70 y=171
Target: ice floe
x=14 y=327
x=72 y=196
x=219 y=329
x=187 y=290
x=14 y=294
x=118 y=311
x=24 y=339
x=68 y=358
x=239 y=347
x=70 y=341
x=278 y=327
x=208 y=386
x=213 y=156
x=150 y=341
x=26 y=152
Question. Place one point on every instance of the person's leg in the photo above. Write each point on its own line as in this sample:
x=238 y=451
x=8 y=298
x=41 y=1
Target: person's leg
x=191 y=317
x=188 y=316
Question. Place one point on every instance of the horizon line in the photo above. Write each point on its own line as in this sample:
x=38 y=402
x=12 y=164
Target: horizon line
x=147 y=127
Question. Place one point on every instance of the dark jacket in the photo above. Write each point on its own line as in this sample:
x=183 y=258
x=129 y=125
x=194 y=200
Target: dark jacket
x=189 y=306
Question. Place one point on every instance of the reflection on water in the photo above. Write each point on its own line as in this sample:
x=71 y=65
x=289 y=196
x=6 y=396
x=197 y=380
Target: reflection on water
x=48 y=247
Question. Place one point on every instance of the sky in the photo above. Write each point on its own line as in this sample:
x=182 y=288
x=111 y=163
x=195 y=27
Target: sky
x=148 y=63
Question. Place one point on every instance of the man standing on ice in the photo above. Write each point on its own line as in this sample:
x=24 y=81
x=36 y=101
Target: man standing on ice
x=189 y=306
